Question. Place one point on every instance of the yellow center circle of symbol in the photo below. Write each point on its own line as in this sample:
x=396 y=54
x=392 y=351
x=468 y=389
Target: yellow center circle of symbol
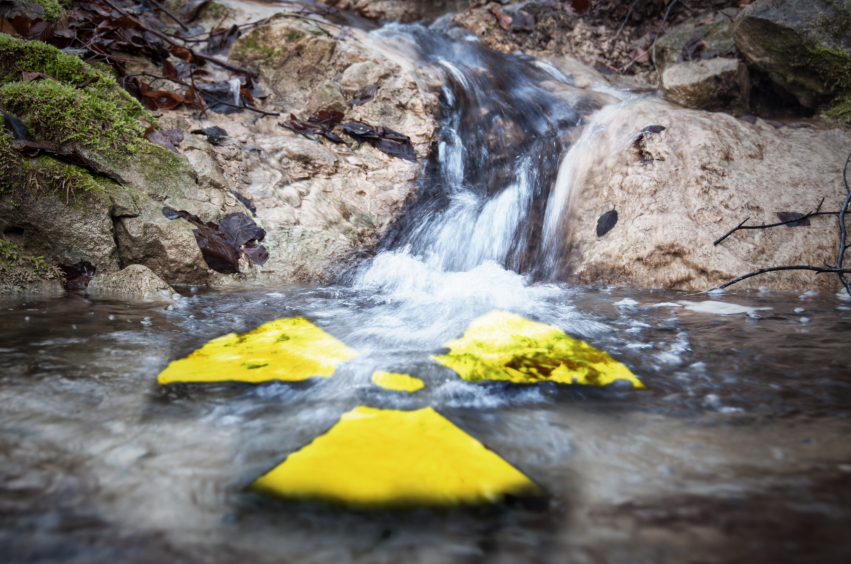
x=386 y=458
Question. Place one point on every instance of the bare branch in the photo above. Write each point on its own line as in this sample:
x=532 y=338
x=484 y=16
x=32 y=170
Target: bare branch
x=816 y=269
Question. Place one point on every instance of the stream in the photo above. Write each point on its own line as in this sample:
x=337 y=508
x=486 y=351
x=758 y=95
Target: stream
x=738 y=448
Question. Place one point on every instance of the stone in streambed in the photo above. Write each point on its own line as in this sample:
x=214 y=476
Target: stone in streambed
x=136 y=281
x=716 y=85
x=803 y=45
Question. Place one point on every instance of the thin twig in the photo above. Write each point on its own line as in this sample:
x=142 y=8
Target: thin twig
x=170 y=41
x=843 y=244
x=302 y=133
x=199 y=91
x=742 y=226
x=843 y=232
x=168 y=12
x=626 y=19
x=817 y=269
x=655 y=66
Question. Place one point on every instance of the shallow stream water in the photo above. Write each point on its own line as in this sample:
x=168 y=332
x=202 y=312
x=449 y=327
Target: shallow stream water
x=738 y=448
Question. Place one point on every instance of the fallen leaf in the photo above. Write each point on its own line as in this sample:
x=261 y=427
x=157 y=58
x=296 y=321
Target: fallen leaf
x=30 y=76
x=503 y=19
x=579 y=6
x=382 y=138
x=215 y=134
x=606 y=222
x=16 y=127
x=164 y=99
x=364 y=95
x=786 y=216
x=91 y=80
x=239 y=229
x=217 y=253
x=321 y=123
x=159 y=138
x=77 y=276
x=7 y=28
x=256 y=254
x=245 y=202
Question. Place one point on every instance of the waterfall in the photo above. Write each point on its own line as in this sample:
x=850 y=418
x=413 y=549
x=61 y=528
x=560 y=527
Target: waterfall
x=516 y=137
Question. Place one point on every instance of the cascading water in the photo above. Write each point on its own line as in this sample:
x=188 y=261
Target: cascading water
x=490 y=194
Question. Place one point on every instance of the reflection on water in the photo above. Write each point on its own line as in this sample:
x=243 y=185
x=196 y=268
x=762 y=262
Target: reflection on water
x=738 y=448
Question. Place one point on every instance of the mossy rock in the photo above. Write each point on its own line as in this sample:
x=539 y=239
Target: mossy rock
x=20 y=270
x=802 y=45
x=717 y=34
x=101 y=121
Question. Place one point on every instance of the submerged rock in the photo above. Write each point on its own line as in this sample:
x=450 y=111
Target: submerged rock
x=716 y=85
x=803 y=45
x=135 y=281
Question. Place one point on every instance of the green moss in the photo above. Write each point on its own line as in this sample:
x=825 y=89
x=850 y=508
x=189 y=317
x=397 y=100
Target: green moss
x=102 y=117
x=256 y=42
x=294 y=35
x=833 y=65
x=214 y=10
x=52 y=8
x=841 y=108
x=18 y=269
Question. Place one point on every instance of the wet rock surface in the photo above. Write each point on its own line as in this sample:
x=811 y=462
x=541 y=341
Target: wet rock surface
x=715 y=85
x=679 y=190
x=802 y=44
x=134 y=282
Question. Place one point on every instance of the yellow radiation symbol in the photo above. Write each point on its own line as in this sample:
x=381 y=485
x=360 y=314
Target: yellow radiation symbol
x=385 y=458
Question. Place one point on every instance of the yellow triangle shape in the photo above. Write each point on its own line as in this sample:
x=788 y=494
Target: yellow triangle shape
x=397 y=382
x=504 y=346
x=285 y=349
x=384 y=458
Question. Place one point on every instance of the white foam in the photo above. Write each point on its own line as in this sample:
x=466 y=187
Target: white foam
x=720 y=308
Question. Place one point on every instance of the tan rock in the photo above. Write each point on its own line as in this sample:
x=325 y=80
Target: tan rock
x=135 y=281
x=684 y=188
x=716 y=85
x=199 y=153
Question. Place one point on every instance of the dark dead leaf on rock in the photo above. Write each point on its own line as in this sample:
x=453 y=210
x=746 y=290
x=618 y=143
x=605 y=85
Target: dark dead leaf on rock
x=321 y=123
x=168 y=139
x=215 y=134
x=16 y=127
x=245 y=202
x=607 y=222
x=382 y=138
x=364 y=95
x=787 y=216
x=77 y=276
x=221 y=40
x=256 y=254
x=88 y=81
x=217 y=253
x=7 y=28
x=749 y=119
x=647 y=132
x=239 y=229
x=163 y=99
x=30 y=76
x=222 y=244
x=503 y=19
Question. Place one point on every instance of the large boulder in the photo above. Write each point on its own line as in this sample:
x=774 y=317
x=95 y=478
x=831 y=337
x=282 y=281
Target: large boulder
x=678 y=191
x=803 y=45
x=320 y=201
x=703 y=37
x=715 y=85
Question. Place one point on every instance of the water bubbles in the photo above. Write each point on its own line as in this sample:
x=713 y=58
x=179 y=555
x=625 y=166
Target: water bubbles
x=176 y=296
x=805 y=320
x=193 y=289
x=626 y=302
x=763 y=290
x=27 y=318
x=111 y=317
x=146 y=321
x=799 y=310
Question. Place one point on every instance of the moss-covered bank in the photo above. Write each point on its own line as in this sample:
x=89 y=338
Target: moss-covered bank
x=19 y=270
